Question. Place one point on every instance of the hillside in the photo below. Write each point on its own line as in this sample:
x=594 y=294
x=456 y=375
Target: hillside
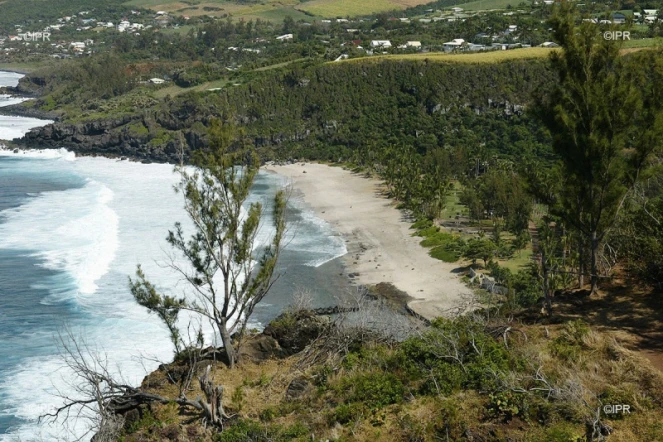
x=428 y=98
x=470 y=379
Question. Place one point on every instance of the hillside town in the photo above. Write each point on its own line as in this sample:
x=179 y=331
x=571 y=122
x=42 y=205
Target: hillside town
x=85 y=32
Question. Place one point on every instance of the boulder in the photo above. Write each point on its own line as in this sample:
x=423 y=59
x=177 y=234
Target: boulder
x=297 y=388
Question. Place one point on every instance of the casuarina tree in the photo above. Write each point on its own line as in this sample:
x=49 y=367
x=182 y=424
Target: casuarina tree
x=227 y=272
x=604 y=115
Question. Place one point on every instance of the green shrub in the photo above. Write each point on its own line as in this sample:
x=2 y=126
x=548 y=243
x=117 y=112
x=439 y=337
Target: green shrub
x=346 y=413
x=146 y=422
x=268 y=414
x=504 y=404
x=375 y=390
x=569 y=344
x=242 y=431
x=298 y=429
x=453 y=355
x=443 y=254
x=422 y=224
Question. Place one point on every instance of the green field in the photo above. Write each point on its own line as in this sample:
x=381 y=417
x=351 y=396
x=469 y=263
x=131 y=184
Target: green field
x=277 y=10
x=644 y=43
x=349 y=8
x=473 y=57
x=483 y=5
x=174 y=90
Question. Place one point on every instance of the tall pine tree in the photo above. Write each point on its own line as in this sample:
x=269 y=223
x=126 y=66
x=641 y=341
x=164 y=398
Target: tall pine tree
x=604 y=126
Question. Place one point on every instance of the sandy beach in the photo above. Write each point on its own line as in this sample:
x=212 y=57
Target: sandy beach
x=379 y=242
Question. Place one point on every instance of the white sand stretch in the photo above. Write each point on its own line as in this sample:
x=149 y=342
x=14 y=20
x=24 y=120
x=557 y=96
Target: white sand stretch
x=381 y=247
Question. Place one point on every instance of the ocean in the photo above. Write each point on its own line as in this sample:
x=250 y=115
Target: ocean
x=72 y=231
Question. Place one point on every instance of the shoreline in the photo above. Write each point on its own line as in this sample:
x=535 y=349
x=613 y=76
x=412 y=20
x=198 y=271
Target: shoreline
x=381 y=248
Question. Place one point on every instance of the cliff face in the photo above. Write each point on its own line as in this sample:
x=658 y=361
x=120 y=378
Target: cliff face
x=111 y=138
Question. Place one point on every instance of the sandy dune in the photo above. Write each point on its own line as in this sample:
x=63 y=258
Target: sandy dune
x=379 y=241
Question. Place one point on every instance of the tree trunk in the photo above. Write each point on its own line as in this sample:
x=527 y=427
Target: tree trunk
x=227 y=344
x=546 y=283
x=581 y=264
x=594 y=264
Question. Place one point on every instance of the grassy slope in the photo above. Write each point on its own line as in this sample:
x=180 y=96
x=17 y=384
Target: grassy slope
x=336 y=408
x=475 y=57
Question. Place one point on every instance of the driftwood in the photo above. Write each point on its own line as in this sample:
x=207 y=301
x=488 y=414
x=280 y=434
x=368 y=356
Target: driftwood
x=106 y=398
x=212 y=406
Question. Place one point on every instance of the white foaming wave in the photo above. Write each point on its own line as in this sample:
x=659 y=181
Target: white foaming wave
x=15 y=127
x=8 y=100
x=9 y=78
x=145 y=208
x=44 y=154
x=72 y=231
x=328 y=246
x=34 y=388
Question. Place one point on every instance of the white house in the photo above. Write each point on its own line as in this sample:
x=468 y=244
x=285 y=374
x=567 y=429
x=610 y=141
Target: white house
x=650 y=11
x=380 y=44
x=454 y=44
x=285 y=37
x=457 y=10
x=413 y=44
x=549 y=44
x=123 y=26
x=650 y=18
x=157 y=80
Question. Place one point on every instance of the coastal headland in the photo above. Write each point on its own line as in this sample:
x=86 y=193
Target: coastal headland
x=380 y=244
